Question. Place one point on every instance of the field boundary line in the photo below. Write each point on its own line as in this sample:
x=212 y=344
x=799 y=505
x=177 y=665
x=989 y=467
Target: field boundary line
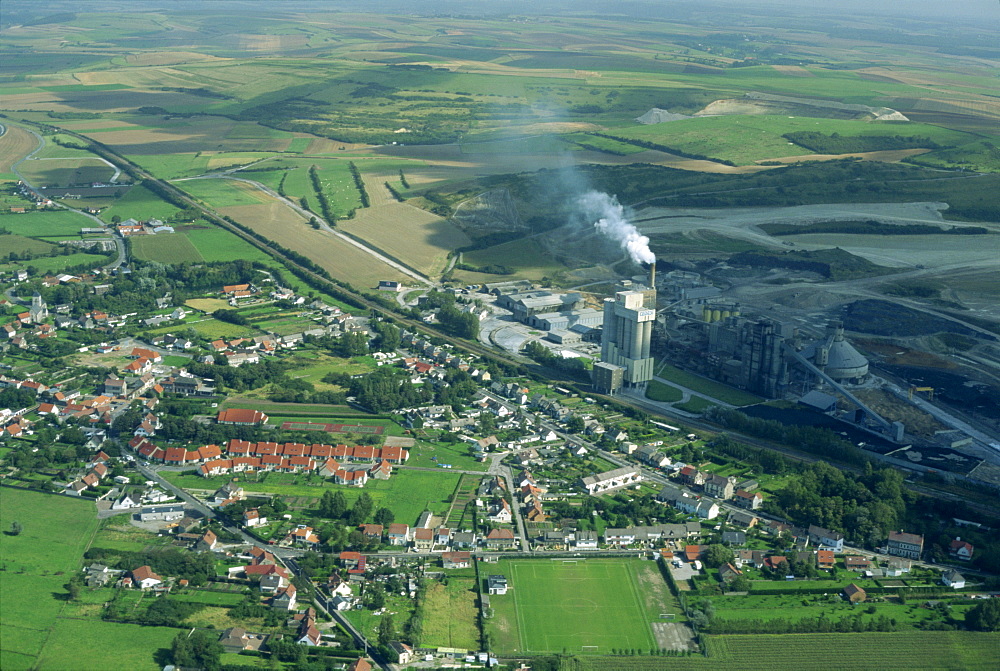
x=517 y=611
x=650 y=639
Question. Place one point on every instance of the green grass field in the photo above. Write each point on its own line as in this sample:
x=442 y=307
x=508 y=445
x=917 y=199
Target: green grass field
x=66 y=172
x=165 y=248
x=744 y=139
x=72 y=644
x=222 y=193
x=140 y=204
x=525 y=257
x=554 y=606
x=407 y=493
x=20 y=244
x=450 y=614
x=702 y=385
x=217 y=244
x=905 y=651
x=37 y=563
x=45 y=222
x=664 y=393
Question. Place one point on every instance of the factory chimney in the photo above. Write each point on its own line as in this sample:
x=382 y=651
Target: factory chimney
x=652 y=275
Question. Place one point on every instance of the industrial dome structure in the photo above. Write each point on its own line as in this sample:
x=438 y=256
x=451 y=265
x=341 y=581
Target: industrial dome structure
x=836 y=357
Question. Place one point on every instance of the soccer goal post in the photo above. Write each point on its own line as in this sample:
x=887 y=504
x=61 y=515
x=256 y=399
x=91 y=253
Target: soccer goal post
x=589 y=648
x=667 y=616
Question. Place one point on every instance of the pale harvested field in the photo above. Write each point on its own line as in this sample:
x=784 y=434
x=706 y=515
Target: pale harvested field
x=94 y=124
x=15 y=144
x=416 y=237
x=793 y=70
x=886 y=156
x=208 y=305
x=168 y=58
x=375 y=181
x=342 y=260
x=451 y=156
x=322 y=145
x=271 y=43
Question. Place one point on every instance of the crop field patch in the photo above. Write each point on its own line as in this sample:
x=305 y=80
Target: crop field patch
x=54 y=264
x=140 y=204
x=418 y=238
x=218 y=244
x=15 y=144
x=450 y=615
x=362 y=429
x=165 y=248
x=341 y=259
x=65 y=171
x=222 y=193
x=207 y=305
x=587 y=606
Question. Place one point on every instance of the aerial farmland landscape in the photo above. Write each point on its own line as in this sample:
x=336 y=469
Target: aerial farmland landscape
x=562 y=336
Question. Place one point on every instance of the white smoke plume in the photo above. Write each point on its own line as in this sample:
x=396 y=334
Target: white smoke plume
x=612 y=222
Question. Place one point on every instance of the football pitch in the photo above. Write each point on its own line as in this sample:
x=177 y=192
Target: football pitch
x=582 y=606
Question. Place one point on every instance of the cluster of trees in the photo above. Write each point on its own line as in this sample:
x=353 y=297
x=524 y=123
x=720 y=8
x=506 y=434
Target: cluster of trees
x=386 y=389
x=820 y=624
x=231 y=317
x=816 y=440
x=196 y=568
x=138 y=291
x=333 y=506
x=198 y=648
x=646 y=144
x=490 y=269
x=324 y=202
x=359 y=184
x=835 y=143
x=863 y=507
x=542 y=355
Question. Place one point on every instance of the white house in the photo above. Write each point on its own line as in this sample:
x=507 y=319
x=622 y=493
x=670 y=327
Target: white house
x=611 y=480
x=496 y=584
x=953 y=579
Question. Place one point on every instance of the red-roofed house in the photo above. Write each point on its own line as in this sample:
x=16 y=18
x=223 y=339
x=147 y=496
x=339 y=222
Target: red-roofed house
x=456 y=559
x=329 y=468
x=824 y=558
x=960 y=549
x=372 y=530
x=381 y=470
x=139 y=366
x=143 y=353
x=144 y=578
x=350 y=478
x=350 y=560
x=304 y=536
x=360 y=664
x=241 y=417
x=398 y=534
x=175 y=455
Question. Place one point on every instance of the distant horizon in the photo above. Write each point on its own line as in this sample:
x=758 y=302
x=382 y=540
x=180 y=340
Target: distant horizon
x=984 y=10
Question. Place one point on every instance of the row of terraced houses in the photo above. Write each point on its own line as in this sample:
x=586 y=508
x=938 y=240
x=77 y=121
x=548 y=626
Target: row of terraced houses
x=245 y=456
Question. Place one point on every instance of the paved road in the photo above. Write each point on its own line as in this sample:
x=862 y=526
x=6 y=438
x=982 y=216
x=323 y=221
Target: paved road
x=119 y=242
